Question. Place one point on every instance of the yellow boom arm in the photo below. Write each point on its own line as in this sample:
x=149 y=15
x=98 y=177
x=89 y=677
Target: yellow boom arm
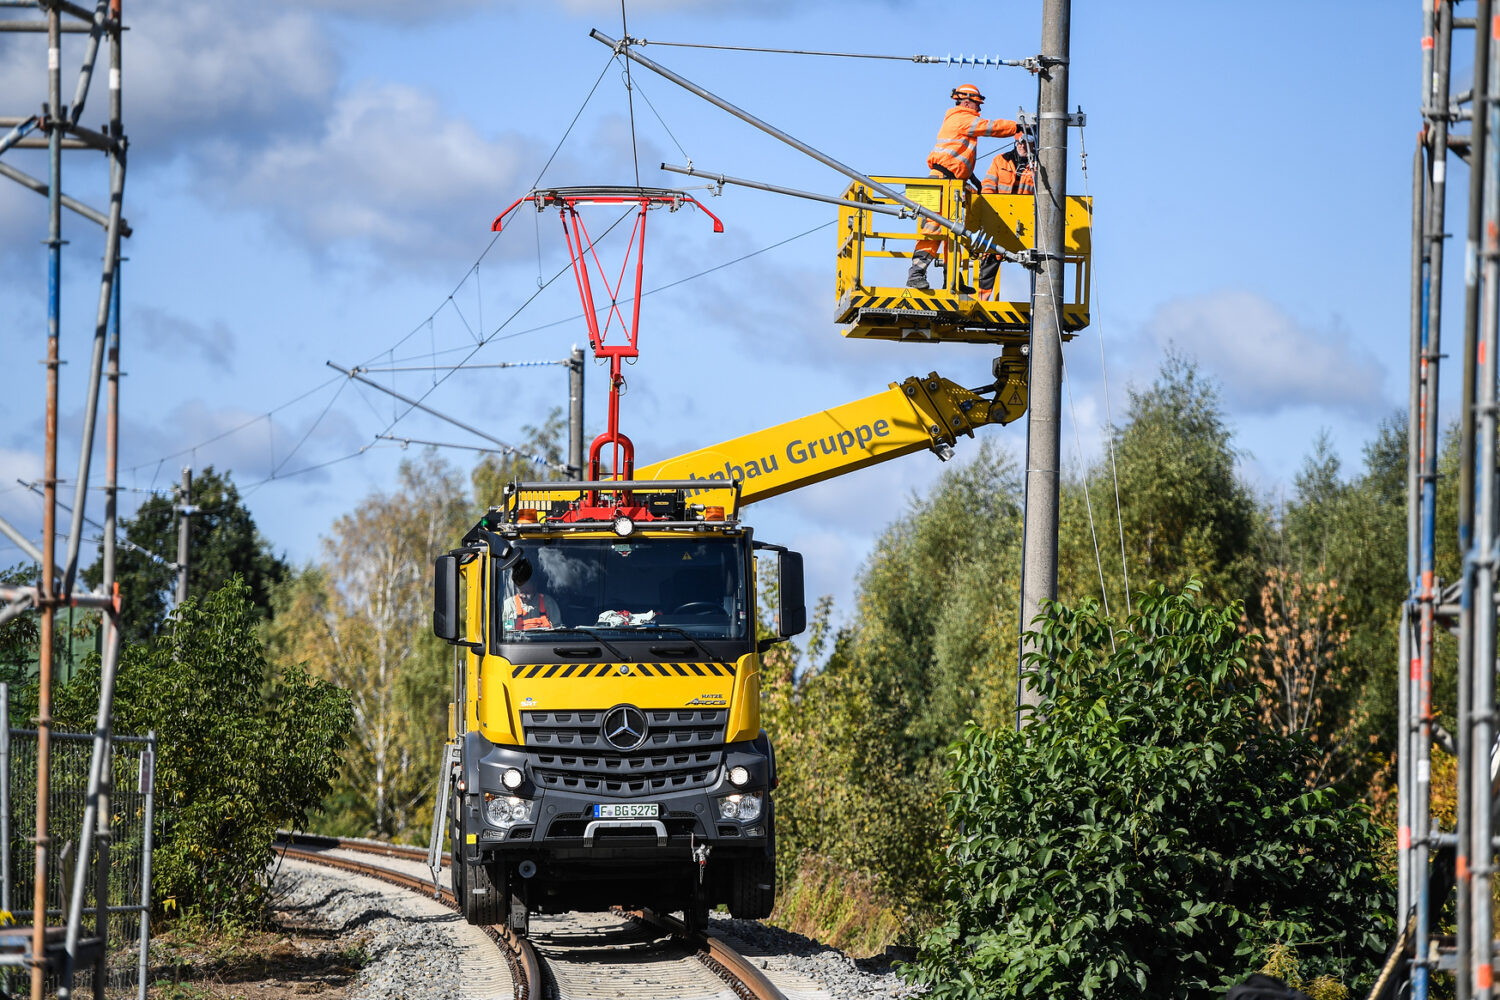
x=917 y=414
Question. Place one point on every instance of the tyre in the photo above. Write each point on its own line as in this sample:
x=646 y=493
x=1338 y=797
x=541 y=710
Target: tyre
x=483 y=895
x=753 y=892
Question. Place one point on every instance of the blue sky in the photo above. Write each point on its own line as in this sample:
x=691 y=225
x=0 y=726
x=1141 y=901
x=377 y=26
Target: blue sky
x=311 y=181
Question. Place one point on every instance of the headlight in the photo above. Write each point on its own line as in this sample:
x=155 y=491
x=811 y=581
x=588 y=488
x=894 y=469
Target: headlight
x=743 y=807
x=512 y=778
x=624 y=526
x=506 y=810
x=739 y=776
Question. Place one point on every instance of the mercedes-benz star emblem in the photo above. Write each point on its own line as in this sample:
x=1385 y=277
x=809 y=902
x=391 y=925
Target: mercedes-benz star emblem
x=624 y=727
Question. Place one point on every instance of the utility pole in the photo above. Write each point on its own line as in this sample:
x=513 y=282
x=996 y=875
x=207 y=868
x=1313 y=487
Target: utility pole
x=1039 y=551
x=575 y=415
x=185 y=510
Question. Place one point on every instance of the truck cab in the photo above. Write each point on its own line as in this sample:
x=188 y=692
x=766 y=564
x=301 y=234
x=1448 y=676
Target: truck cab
x=606 y=746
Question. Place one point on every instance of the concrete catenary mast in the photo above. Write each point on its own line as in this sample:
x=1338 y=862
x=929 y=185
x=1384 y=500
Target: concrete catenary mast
x=1043 y=437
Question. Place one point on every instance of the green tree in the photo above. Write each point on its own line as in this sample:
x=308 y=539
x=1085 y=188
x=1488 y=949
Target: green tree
x=361 y=618
x=934 y=630
x=20 y=638
x=1350 y=531
x=1184 y=511
x=243 y=749
x=495 y=472
x=1149 y=838
x=224 y=543
x=932 y=644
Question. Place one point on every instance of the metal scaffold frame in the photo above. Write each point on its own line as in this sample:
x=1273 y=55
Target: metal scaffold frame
x=57 y=127
x=1435 y=864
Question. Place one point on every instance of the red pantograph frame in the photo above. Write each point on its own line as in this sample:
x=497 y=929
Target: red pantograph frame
x=580 y=250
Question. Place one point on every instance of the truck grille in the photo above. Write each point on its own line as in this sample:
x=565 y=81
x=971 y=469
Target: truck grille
x=683 y=750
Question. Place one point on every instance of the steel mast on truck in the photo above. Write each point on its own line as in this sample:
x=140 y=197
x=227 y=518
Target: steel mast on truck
x=605 y=744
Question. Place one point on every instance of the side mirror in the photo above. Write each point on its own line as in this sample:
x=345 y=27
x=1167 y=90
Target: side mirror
x=792 y=612
x=445 y=597
x=502 y=552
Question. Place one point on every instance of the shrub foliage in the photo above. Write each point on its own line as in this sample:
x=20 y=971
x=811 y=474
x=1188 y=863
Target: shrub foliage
x=242 y=749
x=1145 y=835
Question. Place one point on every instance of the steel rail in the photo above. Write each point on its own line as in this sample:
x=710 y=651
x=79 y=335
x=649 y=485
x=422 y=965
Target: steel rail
x=526 y=965
x=738 y=972
x=735 y=969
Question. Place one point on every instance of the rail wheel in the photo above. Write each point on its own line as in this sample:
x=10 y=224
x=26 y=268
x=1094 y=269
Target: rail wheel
x=519 y=916
x=695 y=910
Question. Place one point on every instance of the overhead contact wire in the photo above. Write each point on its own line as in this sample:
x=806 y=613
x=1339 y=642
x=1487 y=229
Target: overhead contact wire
x=1104 y=374
x=947 y=60
x=647 y=98
x=630 y=101
x=569 y=129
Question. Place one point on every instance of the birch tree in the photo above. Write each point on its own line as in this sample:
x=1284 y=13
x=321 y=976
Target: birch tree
x=360 y=618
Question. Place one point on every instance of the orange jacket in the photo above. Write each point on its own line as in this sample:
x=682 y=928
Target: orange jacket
x=958 y=139
x=1002 y=179
x=538 y=620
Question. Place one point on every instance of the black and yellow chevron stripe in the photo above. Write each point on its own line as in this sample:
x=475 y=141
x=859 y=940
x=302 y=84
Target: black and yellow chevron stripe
x=543 y=671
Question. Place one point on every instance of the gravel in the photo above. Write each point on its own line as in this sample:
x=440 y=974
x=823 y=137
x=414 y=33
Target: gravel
x=414 y=944
x=844 y=977
x=410 y=954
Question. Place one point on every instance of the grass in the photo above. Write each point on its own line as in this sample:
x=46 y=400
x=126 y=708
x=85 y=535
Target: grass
x=191 y=960
x=840 y=908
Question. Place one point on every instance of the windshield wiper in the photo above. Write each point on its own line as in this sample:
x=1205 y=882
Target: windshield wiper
x=707 y=655
x=580 y=630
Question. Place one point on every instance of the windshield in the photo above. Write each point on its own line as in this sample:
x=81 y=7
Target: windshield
x=623 y=588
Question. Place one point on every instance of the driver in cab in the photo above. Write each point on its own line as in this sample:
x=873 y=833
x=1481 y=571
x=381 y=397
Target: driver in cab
x=525 y=606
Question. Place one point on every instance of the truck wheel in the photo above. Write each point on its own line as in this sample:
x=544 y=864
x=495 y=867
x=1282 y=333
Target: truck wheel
x=753 y=892
x=483 y=900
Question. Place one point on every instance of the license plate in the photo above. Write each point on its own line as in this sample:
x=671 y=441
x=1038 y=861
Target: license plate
x=626 y=810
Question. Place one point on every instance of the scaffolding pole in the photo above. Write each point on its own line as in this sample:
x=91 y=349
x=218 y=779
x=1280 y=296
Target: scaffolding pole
x=1485 y=163
x=1466 y=605
x=59 y=129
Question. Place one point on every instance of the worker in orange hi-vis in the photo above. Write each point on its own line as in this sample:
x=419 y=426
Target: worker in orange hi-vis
x=953 y=157
x=1009 y=173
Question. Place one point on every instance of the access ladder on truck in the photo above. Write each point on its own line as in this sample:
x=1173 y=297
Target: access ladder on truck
x=872 y=309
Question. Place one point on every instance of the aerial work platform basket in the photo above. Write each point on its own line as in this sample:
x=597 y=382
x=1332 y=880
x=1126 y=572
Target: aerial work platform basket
x=873 y=301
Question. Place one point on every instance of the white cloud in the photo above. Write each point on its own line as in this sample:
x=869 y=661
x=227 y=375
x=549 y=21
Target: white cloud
x=1268 y=361
x=18 y=505
x=163 y=332
x=388 y=172
x=191 y=71
x=234 y=440
x=207 y=70
x=395 y=10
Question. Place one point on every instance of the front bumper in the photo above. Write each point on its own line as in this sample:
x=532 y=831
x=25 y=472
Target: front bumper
x=563 y=826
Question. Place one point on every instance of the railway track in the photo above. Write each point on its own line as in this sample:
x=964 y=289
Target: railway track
x=589 y=956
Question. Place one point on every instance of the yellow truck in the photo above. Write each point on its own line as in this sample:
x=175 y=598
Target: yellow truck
x=606 y=745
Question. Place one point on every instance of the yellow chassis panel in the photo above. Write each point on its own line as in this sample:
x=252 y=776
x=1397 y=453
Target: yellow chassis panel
x=505 y=690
